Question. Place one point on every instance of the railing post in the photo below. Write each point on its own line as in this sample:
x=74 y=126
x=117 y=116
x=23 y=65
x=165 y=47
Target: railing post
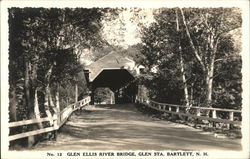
x=58 y=114
x=198 y=113
x=80 y=110
x=58 y=111
x=76 y=93
x=177 y=109
x=55 y=125
x=164 y=108
x=214 y=116
x=231 y=118
x=170 y=109
x=90 y=100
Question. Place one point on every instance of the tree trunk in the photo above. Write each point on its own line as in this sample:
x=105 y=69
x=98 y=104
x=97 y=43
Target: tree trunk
x=186 y=95
x=58 y=103
x=13 y=104
x=209 y=90
x=46 y=104
x=195 y=51
x=28 y=94
x=30 y=113
x=191 y=94
x=47 y=92
x=36 y=110
x=210 y=72
x=76 y=93
x=12 y=113
x=209 y=84
x=51 y=103
x=184 y=81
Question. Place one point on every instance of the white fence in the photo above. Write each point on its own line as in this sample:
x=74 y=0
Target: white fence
x=58 y=120
x=180 y=110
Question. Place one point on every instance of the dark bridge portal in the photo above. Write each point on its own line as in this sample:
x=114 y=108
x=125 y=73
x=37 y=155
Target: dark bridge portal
x=120 y=81
x=114 y=71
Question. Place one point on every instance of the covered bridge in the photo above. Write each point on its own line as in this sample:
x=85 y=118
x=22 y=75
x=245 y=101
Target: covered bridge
x=116 y=72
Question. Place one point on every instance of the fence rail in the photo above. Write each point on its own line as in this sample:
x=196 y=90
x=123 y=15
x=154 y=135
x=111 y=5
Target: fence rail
x=167 y=108
x=58 y=119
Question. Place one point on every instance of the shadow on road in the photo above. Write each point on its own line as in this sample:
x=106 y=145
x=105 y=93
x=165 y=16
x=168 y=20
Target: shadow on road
x=123 y=127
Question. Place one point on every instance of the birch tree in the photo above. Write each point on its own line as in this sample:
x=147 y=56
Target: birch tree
x=183 y=73
x=162 y=50
x=194 y=48
x=205 y=30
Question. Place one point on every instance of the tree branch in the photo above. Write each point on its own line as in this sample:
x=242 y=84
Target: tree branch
x=219 y=73
x=191 y=42
x=227 y=58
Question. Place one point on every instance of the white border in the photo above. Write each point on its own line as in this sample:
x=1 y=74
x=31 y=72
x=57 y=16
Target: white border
x=244 y=4
x=125 y=3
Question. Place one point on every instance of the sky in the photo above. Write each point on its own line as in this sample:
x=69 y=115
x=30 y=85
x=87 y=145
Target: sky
x=122 y=31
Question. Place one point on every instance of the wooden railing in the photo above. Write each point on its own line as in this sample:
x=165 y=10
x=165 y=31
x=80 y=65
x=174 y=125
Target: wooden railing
x=181 y=110
x=57 y=120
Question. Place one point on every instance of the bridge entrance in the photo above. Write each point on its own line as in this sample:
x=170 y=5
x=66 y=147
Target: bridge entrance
x=117 y=73
x=120 y=82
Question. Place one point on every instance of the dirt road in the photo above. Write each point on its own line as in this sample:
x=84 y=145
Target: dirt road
x=123 y=127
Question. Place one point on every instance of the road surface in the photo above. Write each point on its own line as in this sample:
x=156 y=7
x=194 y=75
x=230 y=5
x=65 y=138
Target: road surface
x=123 y=127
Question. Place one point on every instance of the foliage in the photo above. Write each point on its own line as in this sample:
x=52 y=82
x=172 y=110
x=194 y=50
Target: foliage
x=209 y=42
x=45 y=47
x=103 y=95
x=160 y=60
x=209 y=30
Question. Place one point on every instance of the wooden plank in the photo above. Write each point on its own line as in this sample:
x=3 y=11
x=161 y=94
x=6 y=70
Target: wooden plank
x=198 y=112
x=65 y=116
x=201 y=117
x=66 y=108
x=31 y=133
x=31 y=121
x=62 y=122
x=165 y=104
x=214 y=114
x=217 y=109
x=70 y=112
x=195 y=107
x=66 y=112
x=177 y=109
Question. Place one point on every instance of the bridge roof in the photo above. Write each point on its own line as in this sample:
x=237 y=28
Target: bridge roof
x=112 y=61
